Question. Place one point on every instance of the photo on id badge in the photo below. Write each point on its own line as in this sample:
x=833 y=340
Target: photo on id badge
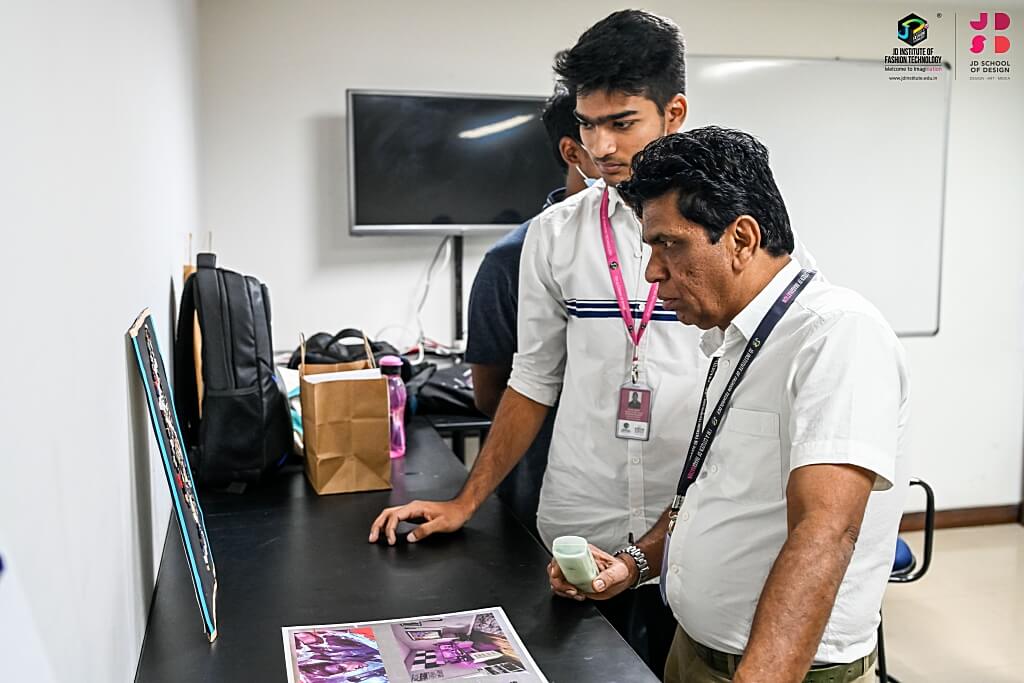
x=634 y=416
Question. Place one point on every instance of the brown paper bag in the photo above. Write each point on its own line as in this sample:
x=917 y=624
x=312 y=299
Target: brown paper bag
x=345 y=429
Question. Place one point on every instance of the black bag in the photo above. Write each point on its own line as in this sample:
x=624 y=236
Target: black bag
x=449 y=391
x=245 y=429
x=323 y=348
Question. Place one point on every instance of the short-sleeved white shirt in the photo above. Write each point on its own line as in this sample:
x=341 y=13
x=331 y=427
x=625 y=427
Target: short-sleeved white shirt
x=828 y=386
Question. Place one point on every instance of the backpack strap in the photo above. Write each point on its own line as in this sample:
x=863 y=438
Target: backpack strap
x=212 y=306
x=186 y=393
x=259 y=311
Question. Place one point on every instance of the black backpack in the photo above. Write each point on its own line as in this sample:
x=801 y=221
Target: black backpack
x=242 y=427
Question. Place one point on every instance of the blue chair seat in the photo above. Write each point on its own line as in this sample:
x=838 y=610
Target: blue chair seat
x=904 y=561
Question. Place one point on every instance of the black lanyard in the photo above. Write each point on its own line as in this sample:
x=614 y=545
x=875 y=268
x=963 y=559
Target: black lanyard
x=703 y=434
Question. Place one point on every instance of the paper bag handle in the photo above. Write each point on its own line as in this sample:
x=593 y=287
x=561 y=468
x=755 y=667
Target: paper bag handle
x=369 y=354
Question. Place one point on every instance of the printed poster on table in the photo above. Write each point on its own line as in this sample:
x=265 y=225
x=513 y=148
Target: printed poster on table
x=444 y=647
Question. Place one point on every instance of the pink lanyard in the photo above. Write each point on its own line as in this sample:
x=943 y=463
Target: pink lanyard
x=612 y=256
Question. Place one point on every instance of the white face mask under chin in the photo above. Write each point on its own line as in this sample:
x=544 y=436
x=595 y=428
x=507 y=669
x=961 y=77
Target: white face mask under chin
x=586 y=179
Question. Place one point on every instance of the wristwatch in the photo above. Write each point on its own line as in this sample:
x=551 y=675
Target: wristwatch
x=640 y=558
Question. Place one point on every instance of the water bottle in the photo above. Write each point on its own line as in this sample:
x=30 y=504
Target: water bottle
x=391 y=368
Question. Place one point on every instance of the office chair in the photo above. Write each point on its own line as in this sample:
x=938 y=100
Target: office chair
x=905 y=569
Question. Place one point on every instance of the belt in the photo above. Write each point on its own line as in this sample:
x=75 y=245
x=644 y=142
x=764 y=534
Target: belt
x=725 y=663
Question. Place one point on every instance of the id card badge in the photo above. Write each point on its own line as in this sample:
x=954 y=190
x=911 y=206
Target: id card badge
x=634 y=416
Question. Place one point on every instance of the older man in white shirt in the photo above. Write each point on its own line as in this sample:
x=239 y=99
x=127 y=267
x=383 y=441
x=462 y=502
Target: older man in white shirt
x=782 y=533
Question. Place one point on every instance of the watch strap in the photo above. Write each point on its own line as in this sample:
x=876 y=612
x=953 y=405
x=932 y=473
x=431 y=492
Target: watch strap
x=640 y=558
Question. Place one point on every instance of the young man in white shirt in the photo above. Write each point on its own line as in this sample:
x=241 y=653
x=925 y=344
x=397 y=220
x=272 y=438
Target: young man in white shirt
x=578 y=347
x=784 y=525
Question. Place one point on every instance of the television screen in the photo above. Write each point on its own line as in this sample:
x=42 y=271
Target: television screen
x=447 y=164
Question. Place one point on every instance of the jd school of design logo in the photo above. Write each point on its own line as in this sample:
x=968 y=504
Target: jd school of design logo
x=912 y=29
x=1000 y=44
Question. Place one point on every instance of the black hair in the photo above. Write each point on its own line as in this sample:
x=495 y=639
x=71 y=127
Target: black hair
x=629 y=51
x=719 y=175
x=560 y=122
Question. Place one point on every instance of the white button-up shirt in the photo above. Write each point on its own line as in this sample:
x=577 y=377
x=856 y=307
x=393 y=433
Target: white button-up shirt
x=572 y=341
x=828 y=386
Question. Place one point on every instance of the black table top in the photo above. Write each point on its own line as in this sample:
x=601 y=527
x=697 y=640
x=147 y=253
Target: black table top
x=287 y=557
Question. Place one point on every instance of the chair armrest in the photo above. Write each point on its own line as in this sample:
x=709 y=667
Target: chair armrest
x=929 y=535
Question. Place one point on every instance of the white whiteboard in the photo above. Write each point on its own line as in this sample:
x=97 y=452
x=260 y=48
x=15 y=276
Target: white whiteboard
x=860 y=161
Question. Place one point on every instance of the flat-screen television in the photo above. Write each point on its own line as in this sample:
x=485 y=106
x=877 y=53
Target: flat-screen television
x=446 y=164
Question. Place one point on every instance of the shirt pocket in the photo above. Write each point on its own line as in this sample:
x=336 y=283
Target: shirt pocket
x=748 y=457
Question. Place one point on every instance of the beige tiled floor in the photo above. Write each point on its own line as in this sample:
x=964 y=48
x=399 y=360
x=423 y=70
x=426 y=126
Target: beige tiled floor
x=964 y=621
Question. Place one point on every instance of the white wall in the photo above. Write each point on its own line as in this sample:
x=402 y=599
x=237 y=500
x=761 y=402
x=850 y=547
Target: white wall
x=272 y=159
x=97 y=192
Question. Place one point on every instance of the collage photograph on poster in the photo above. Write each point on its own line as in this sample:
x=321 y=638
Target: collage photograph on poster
x=441 y=647
x=456 y=647
x=330 y=654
